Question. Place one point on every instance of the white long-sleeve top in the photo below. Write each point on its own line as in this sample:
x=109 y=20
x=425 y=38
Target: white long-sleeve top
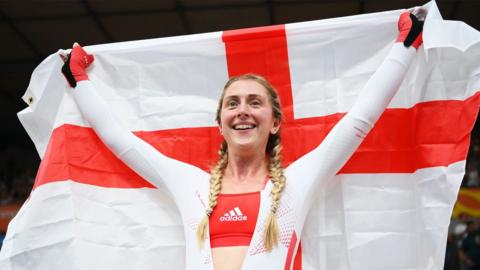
x=189 y=185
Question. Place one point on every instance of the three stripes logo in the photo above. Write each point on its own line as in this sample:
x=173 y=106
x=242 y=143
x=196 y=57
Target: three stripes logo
x=234 y=215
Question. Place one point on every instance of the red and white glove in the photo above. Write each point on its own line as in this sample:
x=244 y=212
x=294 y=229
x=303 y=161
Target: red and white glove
x=410 y=30
x=76 y=63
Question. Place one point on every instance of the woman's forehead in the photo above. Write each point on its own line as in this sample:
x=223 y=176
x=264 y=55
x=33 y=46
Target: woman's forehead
x=246 y=88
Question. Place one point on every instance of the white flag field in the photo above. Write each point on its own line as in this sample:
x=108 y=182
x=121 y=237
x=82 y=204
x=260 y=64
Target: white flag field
x=389 y=207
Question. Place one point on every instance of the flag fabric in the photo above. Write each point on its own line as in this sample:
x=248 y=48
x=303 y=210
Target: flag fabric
x=389 y=208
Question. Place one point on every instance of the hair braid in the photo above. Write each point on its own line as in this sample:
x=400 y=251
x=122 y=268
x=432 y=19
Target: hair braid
x=215 y=187
x=275 y=168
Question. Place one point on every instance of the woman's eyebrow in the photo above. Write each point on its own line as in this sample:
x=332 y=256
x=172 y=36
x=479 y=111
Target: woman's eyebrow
x=237 y=97
x=231 y=97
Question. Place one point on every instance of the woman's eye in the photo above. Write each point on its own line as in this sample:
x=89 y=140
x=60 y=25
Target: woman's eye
x=255 y=103
x=231 y=103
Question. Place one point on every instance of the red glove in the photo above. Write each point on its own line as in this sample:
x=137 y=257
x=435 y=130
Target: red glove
x=74 y=68
x=410 y=30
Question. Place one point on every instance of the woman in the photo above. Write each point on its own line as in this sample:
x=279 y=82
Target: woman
x=245 y=214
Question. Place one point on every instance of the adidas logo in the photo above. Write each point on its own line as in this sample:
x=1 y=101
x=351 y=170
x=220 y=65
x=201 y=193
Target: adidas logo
x=234 y=215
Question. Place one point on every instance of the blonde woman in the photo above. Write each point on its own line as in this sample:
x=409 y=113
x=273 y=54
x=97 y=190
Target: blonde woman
x=249 y=212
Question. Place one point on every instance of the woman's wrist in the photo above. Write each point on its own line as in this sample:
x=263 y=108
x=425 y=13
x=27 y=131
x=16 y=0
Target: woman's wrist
x=410 y=30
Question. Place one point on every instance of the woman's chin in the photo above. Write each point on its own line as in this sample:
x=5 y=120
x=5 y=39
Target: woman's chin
x=244 y=145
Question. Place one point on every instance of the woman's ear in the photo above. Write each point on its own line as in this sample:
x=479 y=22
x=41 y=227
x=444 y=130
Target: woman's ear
x=276 y=127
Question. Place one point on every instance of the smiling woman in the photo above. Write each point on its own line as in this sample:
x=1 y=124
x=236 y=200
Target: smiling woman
x=249 y=117
x=245 y=214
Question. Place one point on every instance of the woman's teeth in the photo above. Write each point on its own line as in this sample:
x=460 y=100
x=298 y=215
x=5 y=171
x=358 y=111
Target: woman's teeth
x=242 y=127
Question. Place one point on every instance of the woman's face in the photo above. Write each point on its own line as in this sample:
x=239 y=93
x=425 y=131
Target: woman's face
x=246 y=117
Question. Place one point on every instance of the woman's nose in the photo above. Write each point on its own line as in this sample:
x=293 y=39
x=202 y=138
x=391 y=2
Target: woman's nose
x=243 y=110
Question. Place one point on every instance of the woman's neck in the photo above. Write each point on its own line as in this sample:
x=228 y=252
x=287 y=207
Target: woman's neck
x=246 y=168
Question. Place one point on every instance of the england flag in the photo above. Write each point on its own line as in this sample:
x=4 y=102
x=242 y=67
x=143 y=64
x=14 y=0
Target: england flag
x=389 y=207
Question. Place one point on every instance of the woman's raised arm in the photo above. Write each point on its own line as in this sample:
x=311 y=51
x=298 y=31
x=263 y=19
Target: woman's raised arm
x=318 y=166
x=140 y=156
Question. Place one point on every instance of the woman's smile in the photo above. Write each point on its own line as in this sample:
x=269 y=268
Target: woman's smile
x=243 y=126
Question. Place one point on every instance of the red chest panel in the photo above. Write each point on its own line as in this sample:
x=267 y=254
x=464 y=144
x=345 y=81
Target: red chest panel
x=233 y=220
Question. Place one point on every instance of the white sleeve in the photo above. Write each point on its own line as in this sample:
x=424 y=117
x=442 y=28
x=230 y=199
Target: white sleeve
x=137 y=154
x=313 y=170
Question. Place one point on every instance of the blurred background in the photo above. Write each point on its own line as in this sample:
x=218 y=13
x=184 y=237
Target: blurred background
x=30 y=30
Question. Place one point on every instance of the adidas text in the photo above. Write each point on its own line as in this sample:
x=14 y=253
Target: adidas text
x=234 y=218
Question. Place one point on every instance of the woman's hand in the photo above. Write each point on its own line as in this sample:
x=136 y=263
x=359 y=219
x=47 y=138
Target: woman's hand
x=410 y=27
x=76 y=63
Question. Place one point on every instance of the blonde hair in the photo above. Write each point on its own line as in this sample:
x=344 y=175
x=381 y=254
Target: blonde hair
x=275 y=169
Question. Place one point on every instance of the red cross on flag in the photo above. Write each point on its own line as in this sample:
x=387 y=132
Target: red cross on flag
x=388 y=209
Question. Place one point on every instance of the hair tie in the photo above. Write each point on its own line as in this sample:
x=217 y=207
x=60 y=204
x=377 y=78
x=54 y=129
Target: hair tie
x=208 y=212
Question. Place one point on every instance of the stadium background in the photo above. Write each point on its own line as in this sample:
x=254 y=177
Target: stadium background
x=30 y=30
